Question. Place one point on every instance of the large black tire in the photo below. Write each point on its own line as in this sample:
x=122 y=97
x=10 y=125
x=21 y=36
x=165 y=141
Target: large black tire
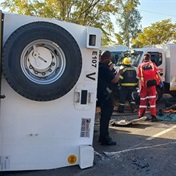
x=41 y=61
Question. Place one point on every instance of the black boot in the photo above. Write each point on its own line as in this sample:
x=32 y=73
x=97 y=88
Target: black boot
x=107 y=141
x=154 y=119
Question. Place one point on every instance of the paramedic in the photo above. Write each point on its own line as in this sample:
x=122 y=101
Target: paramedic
x=149 y=78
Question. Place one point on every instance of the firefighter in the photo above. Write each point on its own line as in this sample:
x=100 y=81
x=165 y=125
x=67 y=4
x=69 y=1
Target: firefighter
x=148 y=79
x=128 y=83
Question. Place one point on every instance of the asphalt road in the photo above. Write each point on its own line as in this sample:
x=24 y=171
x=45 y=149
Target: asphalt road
x=143 y=149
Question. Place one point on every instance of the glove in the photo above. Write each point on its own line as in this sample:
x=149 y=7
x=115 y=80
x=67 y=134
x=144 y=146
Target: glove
x=161 y=84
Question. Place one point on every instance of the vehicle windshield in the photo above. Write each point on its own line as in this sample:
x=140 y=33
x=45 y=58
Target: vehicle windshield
x=115 y=56
x=133 y=55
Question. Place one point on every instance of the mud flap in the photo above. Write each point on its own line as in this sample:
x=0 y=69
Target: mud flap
x=86 y=156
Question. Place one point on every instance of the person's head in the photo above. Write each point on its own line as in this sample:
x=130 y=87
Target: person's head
x=106 y=57
x=147 y=57
x=126 y=61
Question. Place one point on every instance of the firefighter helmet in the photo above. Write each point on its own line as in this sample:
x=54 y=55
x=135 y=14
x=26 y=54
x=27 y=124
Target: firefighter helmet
x=127 y=61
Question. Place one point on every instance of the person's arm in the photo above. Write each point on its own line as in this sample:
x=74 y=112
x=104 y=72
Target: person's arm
x=116 y=73
x=138 y=73
x=116 y=78
x=140 y=76
x=111 y=67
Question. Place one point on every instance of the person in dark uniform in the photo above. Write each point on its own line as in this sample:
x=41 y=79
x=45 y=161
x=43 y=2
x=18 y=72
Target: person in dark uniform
x=107 y=76
x=128 y=83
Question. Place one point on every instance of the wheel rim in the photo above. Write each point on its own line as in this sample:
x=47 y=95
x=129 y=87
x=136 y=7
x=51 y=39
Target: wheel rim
x=43 y=61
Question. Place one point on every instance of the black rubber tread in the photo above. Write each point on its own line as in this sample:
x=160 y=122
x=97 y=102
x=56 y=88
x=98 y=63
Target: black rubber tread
x=14 y=75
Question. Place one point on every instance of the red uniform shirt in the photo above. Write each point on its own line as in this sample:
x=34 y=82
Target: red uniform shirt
x=147 y=71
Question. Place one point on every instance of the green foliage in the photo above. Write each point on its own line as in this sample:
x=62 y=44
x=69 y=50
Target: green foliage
x=129 y=21
x=98 y=13
x=94 y=13
x=158 y=33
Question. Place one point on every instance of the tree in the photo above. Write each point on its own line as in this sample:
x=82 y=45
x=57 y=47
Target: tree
x=129 y=21
x=158 y=33
x=94 y=13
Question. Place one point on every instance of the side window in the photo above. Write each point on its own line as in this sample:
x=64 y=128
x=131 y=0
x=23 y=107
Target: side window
x=156 y=57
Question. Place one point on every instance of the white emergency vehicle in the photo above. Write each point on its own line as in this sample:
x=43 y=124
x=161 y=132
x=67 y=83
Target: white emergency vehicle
x=48 y=93
x=116 y=50
x=164 y=57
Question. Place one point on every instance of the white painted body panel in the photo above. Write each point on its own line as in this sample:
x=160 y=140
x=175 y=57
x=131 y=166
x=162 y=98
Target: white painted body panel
x=42 y=135
x=170 y=57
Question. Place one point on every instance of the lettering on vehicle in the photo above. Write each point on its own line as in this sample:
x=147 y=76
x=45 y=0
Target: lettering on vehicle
x=94 y=63
x=91 y=76
x=94 y=58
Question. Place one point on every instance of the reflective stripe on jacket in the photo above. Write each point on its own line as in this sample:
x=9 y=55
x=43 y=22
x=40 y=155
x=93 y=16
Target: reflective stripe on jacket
x=128 y=77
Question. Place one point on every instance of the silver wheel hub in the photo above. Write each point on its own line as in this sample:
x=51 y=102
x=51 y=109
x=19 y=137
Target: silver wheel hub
x=43 y=61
